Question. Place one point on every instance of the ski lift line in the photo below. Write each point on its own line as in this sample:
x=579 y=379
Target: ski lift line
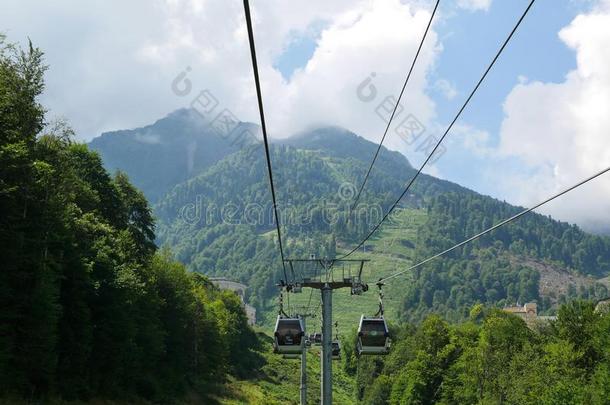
x=264 y=129
x=506 y=221
x=366 y=177
x=372 y=232
x=281 y=311
x=331 y=261
x=309 y=301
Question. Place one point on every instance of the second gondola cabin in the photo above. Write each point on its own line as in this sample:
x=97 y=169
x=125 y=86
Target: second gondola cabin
x=373 y=336
x=335 y=349
x=289 y=336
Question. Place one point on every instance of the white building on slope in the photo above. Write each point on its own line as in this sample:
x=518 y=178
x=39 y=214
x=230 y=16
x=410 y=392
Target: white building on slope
x=239 y=289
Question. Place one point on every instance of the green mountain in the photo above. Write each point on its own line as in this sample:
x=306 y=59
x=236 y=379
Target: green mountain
x=219 y=222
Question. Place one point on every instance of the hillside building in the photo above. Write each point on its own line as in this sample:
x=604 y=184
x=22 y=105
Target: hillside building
x=529 y=313
x=239 y=289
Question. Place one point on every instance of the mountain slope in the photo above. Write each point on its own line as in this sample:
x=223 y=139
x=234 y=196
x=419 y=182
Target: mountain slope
x=181 y=145
x=219 y=221
x=216 y=221
x=341 y=143
x=168 y=152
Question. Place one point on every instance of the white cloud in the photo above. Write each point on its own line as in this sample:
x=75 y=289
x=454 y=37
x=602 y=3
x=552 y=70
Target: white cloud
x=379 y=36
x=561 y=130
x=95 y=78
x=446 y=88
x=474 y=5
x=113 y=69
x=475 y=140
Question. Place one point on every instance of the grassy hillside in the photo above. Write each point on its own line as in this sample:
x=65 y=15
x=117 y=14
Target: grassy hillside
x=278 y=382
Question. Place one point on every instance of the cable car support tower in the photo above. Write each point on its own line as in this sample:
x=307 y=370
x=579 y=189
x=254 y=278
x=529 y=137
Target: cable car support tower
x=323 y=278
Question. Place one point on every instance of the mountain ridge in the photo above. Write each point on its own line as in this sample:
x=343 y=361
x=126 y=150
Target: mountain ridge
x=183 y=143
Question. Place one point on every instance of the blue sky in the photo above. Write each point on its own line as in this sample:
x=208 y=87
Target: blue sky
x=299 y=49
x=470 y=39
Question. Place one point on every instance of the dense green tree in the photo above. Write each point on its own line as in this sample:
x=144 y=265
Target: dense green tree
x=497 y=360
x=88 y=307
x=578 y=323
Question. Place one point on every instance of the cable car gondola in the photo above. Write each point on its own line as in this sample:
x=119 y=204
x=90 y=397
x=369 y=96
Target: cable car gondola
x=335 y=346
x=289 y=336
x=373 y=336
x=373 y=333
x=335 y=349
x=316 y=338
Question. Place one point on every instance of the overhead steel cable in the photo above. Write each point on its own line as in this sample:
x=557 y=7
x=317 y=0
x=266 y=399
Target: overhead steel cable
x=506 y=221
x=366 y=177
x=372 y=232
x=309 y=301
x=264 y=129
